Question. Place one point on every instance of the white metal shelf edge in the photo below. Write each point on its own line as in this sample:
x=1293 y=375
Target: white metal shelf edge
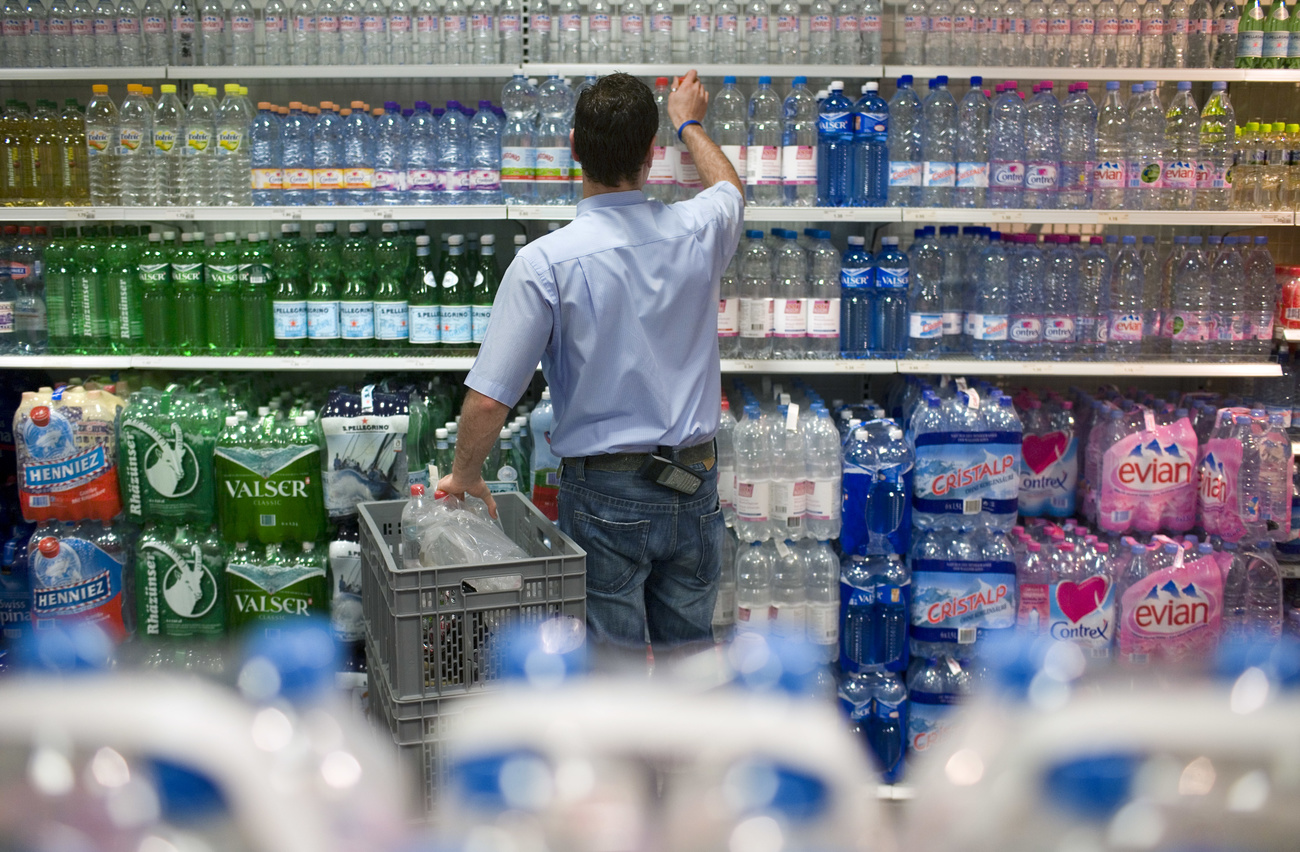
x=1085 y=368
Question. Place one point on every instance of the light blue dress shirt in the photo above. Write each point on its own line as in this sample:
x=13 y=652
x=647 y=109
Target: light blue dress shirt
x=621 y=308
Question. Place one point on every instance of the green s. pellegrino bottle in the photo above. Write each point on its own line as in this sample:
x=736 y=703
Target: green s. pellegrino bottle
x=486 y=280
x=323 y=292
x=1250 y=34
x=424 y=298
x=457 y=286
x=1277 y=36
x=392 y=329
x=357 y=300
x=289 y=296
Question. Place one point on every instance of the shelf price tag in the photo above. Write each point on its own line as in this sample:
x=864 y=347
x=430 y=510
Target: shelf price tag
x=1276 y=218
x=185 y=213
x=1108 y=217
x=923 y=214
x=84 y=213
x=1007 y=216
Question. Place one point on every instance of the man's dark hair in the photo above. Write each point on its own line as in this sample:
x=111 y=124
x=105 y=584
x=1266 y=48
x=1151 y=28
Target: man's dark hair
x=614 y=124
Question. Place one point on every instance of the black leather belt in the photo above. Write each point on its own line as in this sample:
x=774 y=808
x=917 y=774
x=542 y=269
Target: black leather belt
x=700 y=453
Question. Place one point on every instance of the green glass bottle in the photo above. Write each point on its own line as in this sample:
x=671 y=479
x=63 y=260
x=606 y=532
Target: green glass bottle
x=289 y=295
x=357 y=299
x=221 y=283
x=1293 y=42
x=391 y=310
x=188 y=293
x=58 y=292
x=424 y=299
x=457 y=286
x=122 y=294
x=323 y=292
x=1250 y=34
x=1277 y=36
x=154 y=272
x=88 y=299
x=256 y=282
x=486 y=280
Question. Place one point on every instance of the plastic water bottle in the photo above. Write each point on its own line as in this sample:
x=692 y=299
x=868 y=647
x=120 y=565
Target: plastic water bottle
x=965 y=32
x=1093 y=319
x=1225 y=35
x=869 y=158
x=789 y=591
x=135 y=137
x=59 y=34
x=1007 y=149
x=485 y=156
x=823 y=596
x=1088 y=39
x=1042 y=149
x=358 y=156
x=1227 y=282
x=1215 y=154
x=938 y=145
x=834 y=147
x=952 y=288
x=824 y=298
x=632 y=24
x=938 y=35
x=799 y=146
x=1110 y=183
x=1259 y=294
x=265 y=158
x=167 y=136
x=297 y=156
x=988 y=319
x=824 y=470
x=304 y=45
x=541 y=31
x=1192 y=321
x=661 y=182
x=1182 y=144
x=973 y=115
x=518 y=151
x=421 y=183
x=1128 y=31
x=275 y=33
x=1151 y=36
x=1127 y=281
x=905 y=165
x=329 y=50
x=455 y=33
x=101 y=143
x=660 y=46
x=889 y=324
x=103 y=28
x=230 y=161
x=419 y=37
x=1025 y=280
x=763 y=156
x=510 y=26
x=390 y=155
x=857 y=277
x=600 y=20
x=835 y=33
x=452 y=176
x=788 y=475
x=753 y=477
x=484 y=43
x=699 y=29
x=555 y=102
x=926 y=262
x=916 y=19
x=130 y=45
x=570 y=31
x=1146 y=146
x=1060 y=299
x=756 y=308
x=729 y=124
x=753 y=587
x=791 y=299
x=758 y=27
x=1078 y=149
x=211 y=26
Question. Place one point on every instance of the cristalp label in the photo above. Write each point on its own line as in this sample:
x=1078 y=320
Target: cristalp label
x=955 y=601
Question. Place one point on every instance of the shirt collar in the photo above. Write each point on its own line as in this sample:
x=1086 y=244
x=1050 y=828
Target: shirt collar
x=611 y=199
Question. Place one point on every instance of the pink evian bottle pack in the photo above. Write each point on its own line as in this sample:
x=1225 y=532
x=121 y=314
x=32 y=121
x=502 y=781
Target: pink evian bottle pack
x=1146 y=471
x=1244 y=471
x=1171 y=605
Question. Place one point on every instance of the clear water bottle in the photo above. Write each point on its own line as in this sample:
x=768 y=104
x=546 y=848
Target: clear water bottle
x=1227 y=283
x=1058 y=33
x=965 y=32
x=938 y=35
x=134 y=141
x=1088 y=42
x=510 y=29
x=989 y=33
x=231 y=165
x=926 y=260
x=82 y=17
x=422 y=156
x=211 y=27
x=823 y=594
x=453 y=157
x=632 y=24
x=1060 y=299
x=484 y=40
x=397 y=23
x=103 y=27
x=303 y=42
x=198 y=157
x=791 y=299
x=600 y=31
x=1151 y=36
x=973 y=115
x=390 y=155
x=1042 y=149
x=297 y=155
x=1260 y=292
x=455 y=33
x=824 y=298
x=1182 y=146
x=1109 y=184
x=905 y=125
x=518 y=148
x=167 y=144
x=351 y=39
x=375 y=49
x=789 y=31
x=834 y=33
x=358 y=133
x=988 y=319
x=753 y=501
x=756 y=308
x=1025 y=282
x=264 y=151
x=242 y=33
x=916 y=18
x=763 y=179
x=789 y=590
x=799 y=146
x=485 y=156
x=58 y=32
x=425 y=33
x=660 y=47
x=729 y=312
x=661 y=182
x=1035 y=39
x=758 y=26
x=1146 y=148
x=555 y=104
x=1192 y=310
x=788 y=475
x=1007 y=148
x=938 y=145
x=1078 y=149
x=871 y=24
x=1224 y=34
x=569 y=25
x=729 y=127
x=327 y=155
x=699 y=29
x=868 y=180
x=329 y=46
x=726 y=32
x=953 y=285
x=275 y=33
x=1177 y=34
x=102 y=145
x=1093 y=318
x=753 y=585
x=1127 y=283
x=1215 y=154
x=130 y=45
x=1127 y=37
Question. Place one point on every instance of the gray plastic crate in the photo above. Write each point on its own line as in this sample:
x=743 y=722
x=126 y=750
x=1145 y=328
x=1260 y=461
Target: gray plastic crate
x=431 y=631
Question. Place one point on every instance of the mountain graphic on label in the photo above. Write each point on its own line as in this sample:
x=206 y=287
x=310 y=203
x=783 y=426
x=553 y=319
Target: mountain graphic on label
x=169 y=465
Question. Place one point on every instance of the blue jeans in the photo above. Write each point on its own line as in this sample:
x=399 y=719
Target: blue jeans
x=653 y=555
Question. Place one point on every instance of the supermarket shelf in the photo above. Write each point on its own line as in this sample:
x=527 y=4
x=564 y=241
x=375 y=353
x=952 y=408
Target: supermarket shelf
x=302 y=363
x=426 y=212
x=1290 y=335
x=1086 y=368
x=1225 y=218
x=134 y=74
x=1027 y=74
x=341 y=72
x=836 y=365
x=822 y=214
x=813 y=72
x=65 y=362
x=1289 y=570
x=542 y=212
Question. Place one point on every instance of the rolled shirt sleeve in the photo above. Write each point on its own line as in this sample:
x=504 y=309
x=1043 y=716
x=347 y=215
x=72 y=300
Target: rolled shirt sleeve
x=523 y=317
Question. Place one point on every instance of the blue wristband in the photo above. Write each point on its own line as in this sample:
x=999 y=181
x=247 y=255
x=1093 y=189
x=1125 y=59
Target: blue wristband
x=685 y=124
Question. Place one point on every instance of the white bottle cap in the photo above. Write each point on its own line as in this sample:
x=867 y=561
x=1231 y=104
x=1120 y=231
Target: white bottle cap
x=455 y=240
x=263 y=410
x=389 y=227
x=837 y=85
x=505 y=435
x=546 y=394
x=487 y=240
x=232 y=420
x=440 y=434
x=357 y=228
x=422 y=240
x=155 y=237
x=521 y=239
x=300 y=420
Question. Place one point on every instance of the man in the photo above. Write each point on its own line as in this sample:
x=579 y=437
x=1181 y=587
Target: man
x=620 y=307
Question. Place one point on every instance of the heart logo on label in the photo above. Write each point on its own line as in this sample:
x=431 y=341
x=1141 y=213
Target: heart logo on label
x=1041 y=451
x=1079 y=599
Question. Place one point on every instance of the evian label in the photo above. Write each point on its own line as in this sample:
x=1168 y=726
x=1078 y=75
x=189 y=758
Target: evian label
x=1174 y=614
x=1148 y=480
x=1216 y=489
x=1125 y=326
x=1108 y=174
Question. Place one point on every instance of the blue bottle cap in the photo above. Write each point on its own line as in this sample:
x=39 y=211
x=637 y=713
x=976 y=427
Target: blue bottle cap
x=1148 y=239
x=754 y=234
x=1136 y=88
x=1184 y=86
x=889 y=241
x=976 y=81
x=728 y=80
x=905 y=80
x=392 y=106
x=918 y=234
x=1218 y=86
x=934 y=84
x=1130 y=240
x=1180 y=239
x=764 y=81
x=800 y=81
x=1112 y=86
x=1261 y=241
